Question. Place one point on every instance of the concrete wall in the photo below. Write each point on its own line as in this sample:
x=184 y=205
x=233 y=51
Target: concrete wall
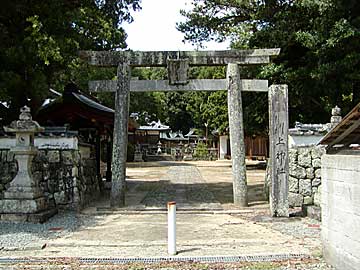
x=66 y=171
x=341 y=210
x=305 y=175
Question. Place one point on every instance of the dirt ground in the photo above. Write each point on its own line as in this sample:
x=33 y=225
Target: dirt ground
x=208 y=224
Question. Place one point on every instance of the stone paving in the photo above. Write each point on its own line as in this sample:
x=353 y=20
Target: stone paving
x=207 y=223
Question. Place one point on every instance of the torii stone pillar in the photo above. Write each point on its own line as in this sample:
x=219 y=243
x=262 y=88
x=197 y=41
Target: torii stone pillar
x=236 y=135
x=119 y=153
x=279 y=157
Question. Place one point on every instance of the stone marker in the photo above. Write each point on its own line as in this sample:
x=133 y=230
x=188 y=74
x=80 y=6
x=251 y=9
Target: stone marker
x=236 y=135
x=279 y=157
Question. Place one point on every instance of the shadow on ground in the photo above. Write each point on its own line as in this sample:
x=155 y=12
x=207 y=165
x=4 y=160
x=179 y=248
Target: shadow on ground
x=158 y=193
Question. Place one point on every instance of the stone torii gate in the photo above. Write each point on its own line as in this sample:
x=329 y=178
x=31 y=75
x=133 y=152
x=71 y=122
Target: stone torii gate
x=177 y=63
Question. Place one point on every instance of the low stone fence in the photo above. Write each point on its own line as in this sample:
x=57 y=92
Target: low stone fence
x=305 y=175
x=64 y=169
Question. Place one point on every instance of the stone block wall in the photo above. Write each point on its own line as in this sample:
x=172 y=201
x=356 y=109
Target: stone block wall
x=8 y=169
x=305 y=175
x=341 y=210
x=66 y=177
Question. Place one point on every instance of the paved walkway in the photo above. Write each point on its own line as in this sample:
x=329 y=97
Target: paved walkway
x=184 y=185
x=207 y=223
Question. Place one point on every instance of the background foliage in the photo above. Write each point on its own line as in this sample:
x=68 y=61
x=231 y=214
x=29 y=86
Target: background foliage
x=319 y=60
x=39 y=43
x=320 y=49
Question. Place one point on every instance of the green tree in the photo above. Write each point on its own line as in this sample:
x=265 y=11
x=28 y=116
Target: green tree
x=39 y=43
x=319 y=41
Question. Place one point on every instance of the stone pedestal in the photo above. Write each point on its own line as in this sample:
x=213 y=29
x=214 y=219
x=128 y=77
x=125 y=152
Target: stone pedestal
x=24 y=200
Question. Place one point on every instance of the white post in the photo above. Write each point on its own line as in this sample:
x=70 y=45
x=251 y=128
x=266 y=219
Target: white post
x=171 y=228
x=223 y=146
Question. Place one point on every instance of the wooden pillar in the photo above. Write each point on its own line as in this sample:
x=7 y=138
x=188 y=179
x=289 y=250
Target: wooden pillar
x=237 y=144
x=279 y=159
x=118 y=166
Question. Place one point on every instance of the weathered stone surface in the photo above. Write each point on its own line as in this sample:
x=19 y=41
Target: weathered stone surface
x=312 y=211
x=267 y=181
x=53 y=156
x=4 y=155
x=316 y=182
x=10 y=156
x=316 y=163
x=293 y=185
x=308 y=200
x=310 y=173
x=293 y=153
x=75 y=171
x=279 y=126
x=236 y=135
x=160 y=58
x=192 y=85
x=118 y=166
x=67 y=157
x=317 y=152
x=60 y=197
x=297 y=171
x=306 y=167
x=305 y=187
x=56 y=177
x=304 y=157
x=23 y=206
x=317 y=196
x=295 y=199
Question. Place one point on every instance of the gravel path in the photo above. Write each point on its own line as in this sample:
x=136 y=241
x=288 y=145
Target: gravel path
x=25 y=235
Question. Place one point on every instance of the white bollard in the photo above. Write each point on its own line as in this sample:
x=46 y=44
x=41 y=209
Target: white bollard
x=171 y=206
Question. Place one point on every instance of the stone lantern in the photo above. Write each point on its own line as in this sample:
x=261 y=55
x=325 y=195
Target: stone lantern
x=335 y=116
x=24 y=200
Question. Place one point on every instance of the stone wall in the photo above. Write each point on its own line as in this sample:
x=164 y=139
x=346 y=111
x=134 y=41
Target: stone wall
x=341 y=210
x=305 y=175
x=66 y=176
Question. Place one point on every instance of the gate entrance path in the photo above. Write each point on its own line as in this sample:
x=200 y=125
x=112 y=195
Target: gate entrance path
x=139 y=230
x=194 y=185
x=178 y=63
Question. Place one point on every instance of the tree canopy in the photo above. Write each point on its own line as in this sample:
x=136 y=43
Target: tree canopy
x=319 y=60
x=319 y=41
x=39 y=41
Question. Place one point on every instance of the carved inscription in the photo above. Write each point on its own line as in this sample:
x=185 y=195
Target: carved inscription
x=178 y=71
x=278 y=105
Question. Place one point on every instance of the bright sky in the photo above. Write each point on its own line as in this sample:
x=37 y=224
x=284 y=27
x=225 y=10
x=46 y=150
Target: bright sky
x=154 y=29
